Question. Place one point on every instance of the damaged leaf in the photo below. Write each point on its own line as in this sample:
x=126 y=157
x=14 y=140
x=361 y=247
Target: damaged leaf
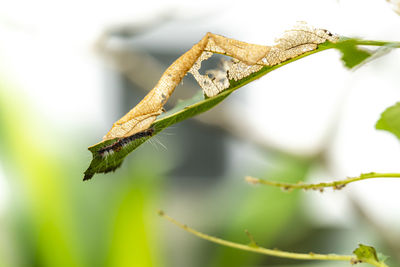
x=249 y=62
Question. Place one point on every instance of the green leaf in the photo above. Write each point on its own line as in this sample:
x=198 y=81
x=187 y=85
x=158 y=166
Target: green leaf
x=390 y=120
x=352 y=56
x=366 y=253
x=184 y=110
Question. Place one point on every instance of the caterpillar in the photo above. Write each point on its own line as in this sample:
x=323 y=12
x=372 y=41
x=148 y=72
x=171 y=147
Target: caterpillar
x=122 y=142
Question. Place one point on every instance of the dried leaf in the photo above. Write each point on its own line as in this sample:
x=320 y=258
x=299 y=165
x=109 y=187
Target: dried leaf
x=395 y=5
x=250 y=58
x=249 y=62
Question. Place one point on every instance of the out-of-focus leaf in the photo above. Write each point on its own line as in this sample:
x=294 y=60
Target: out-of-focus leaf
x=46 y=226
x=395 y=5
x=390 y=120
x=131 y=242
x=54 y=220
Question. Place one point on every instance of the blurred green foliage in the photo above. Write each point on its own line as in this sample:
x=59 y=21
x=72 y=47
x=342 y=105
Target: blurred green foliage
x=53 y=218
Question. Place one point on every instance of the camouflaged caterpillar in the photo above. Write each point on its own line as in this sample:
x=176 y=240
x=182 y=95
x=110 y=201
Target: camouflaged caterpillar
x=121 y=143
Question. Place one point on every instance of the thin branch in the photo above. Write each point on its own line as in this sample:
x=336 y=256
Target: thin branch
x=271 y=252
x=336 y=185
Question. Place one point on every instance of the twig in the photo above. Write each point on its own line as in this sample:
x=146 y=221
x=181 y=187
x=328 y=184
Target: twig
x=336 y=185
x=271 y=252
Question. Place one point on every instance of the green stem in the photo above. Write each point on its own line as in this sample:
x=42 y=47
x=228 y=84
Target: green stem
x=253 y=247
x=271 y=252
x=320 y=186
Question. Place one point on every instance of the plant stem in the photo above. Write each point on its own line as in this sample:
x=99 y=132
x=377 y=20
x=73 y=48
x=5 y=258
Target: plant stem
x=253 y=247
x=320 y=186
x=257 y=249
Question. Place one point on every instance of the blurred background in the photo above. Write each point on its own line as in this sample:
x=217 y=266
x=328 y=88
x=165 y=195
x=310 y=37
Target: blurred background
x=69 y=69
